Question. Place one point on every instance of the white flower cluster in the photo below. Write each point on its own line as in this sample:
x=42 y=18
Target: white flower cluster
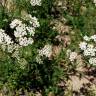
x=72 y=55
x=22 y=31
x=45 y=51
x=23 y=34
x=92 y=61
x=15 y=23
x=33 y=21
x=39 y=59
x=35 y=2
x=6 y=43
x=4 y=38
x=89 y=50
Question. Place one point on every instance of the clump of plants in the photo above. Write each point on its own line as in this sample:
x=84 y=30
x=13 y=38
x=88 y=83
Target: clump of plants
x=26 y=41
x=47 y=47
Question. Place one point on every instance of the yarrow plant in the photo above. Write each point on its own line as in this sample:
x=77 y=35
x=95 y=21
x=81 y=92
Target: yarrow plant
x=22 y=34
x=72 y=55
x=45 y=51
x=28 y=43
x=89 y=49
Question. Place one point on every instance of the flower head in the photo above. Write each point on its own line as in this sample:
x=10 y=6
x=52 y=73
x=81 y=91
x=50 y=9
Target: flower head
x=46 y=51
x=15 y=23
x=86 y=38
x=73 y=56
x=35 y=2
x=92 y=61
x=83 y=45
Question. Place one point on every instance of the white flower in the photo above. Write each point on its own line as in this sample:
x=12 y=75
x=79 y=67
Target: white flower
x=12 y=47
x=73 y=56
x=2 y=35
x=93 y=38
x=46 y=51
x=24 y=41
x=20 y=31
x=95 y=49
x=22 y=34
x=92 y=61
x=34 y=21
x=89 y=52
x=4 y=38
x=83 y=45
x=8 y=40
x=68 y=52
x=30 y=41
x=38 y=59
x=89 y=49
x=90 y=46
x=15 y=23
x=2 y=31
x=31 y=30
x=35 y=2
x=86 y=38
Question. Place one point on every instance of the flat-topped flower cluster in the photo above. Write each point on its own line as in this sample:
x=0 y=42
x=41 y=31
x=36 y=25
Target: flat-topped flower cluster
x=4 y=38
x=89 y=49
x=72 y=55
x=23 y=33
x=35 y=2
x=45 y=51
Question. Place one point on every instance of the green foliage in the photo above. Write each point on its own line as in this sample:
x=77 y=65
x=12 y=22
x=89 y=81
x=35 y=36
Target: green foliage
x=25 y=73
x=80 y=15
x=34 y=76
